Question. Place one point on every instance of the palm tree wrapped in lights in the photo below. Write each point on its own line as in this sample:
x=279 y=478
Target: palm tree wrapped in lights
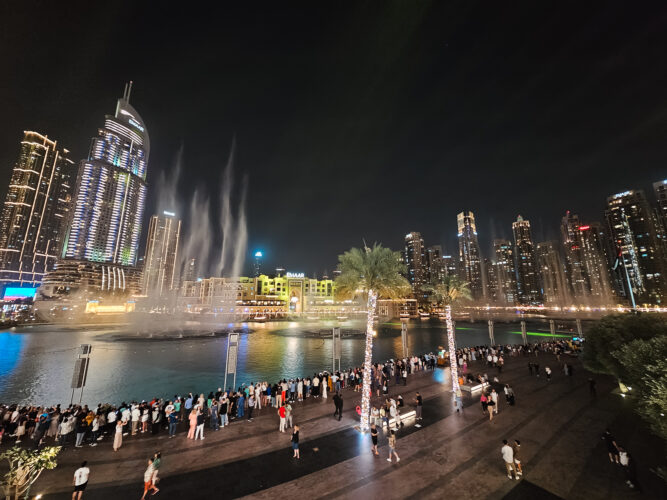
x=448 y=293
x=371 y=272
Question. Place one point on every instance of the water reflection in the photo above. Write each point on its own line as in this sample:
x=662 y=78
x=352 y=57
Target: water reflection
x=36 y=363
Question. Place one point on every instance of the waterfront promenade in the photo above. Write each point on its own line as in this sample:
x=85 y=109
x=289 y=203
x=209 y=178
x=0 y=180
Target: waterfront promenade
x=558 y=423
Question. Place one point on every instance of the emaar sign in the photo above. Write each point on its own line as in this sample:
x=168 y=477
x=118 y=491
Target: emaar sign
x=296 y=275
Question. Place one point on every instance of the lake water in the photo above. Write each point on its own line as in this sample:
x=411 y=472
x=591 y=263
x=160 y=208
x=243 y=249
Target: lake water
x=36 y=362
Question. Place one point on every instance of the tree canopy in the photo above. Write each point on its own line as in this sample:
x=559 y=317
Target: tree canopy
x=633 y=348
x=378 y=268
x=449 y=291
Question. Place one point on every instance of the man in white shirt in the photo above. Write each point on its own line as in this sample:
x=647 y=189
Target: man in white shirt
x=508 y=457
x=80 y=481
x=136 y=415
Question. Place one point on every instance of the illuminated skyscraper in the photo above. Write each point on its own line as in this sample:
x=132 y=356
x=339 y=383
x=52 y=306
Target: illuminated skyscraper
x=111 y=191
x=415 y=260
x=435 y=267
x=632 y=227
x=586 y=261
x=469 y=254
x=258 y=263
x=528 y=284
x=505 y=272
x=102 y=241
x=35 y=213
x=552 y=272
x=159 y=276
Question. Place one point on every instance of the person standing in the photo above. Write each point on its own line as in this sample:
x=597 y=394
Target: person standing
x=192 y=418
x=336 y=400
x=251 y=405
x=418 y=402
x=213 y=418
x=157 y=462
x=459 y=400
x=200 y=425
x=173 y=424
x=374 y=439
x=516 y=450
x=295 y=441
x=508 y=458
x=282 y=414
x=392 y=447
x=288 y=415
x=547 y=370
x=224 y=403
x=80 y=480
x=612 y=447
x=118 y=435
x=494 y=400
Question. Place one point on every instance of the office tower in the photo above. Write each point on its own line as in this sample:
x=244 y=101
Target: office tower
x=449 y=265
x=660 y=189
x=505 y=272
x=552 y=272
x=492 y=290
x=111 y=191
x=633 y=231
x=436 y=271
x=35 y=213
x=159 y=276
x=528 y=286
x=258 y=263
x=415 y=259
x=469 y=254
x=586 y=261
x=190 y=270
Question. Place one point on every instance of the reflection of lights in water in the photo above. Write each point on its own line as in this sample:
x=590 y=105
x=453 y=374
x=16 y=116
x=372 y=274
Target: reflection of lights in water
x=293 y=324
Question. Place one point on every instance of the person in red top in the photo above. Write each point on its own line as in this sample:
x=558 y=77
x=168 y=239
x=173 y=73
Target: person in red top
x=281 y=413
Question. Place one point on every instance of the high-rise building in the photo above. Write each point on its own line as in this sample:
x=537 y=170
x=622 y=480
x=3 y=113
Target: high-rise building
x=528 y=285
x=632 y=227
x=111 y=191
x=505 y=272
x=35 y=213
x=415 y=260
x=586 y=261
x=160 y=263
x=435 y=270
x=469 y=254
x=660 y=189
x=190 y=270
x=449 y=265
x=492 y=288
x=555 y=288
x=102 y=241
x=258 y=263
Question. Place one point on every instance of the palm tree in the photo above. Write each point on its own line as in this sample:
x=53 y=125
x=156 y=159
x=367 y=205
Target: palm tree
x=370 y=272
x=447 y=293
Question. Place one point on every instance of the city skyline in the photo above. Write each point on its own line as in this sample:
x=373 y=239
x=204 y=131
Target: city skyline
x=306 y=123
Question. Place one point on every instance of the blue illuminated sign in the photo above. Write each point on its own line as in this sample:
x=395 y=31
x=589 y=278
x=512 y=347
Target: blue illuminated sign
x=15 y=293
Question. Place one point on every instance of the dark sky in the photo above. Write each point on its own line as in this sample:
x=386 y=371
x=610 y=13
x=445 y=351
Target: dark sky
x=358 y=119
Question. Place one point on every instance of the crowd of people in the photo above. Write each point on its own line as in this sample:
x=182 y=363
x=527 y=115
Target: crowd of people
x=79 y=425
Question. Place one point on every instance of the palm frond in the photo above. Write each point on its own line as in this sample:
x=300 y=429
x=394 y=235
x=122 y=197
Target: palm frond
x=376 y=268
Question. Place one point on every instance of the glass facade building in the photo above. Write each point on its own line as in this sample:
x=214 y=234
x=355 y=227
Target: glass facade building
x=35 y=213
x=111 y=191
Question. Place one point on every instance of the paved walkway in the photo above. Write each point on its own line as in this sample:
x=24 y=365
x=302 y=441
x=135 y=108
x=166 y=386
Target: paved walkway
x=557 y=422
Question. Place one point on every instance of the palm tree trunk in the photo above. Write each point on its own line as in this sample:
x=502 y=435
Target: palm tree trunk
x=368 y=358
x=453 y=366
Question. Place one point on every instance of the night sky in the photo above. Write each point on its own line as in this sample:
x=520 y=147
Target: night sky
x=358 y=119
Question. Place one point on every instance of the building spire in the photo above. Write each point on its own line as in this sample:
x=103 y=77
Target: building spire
x=127 y=91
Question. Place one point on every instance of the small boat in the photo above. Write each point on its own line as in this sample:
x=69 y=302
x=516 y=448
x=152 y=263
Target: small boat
x=424 y=315
x=259 y=319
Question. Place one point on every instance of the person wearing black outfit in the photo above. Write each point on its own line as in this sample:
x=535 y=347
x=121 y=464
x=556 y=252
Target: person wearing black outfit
x=295 y=442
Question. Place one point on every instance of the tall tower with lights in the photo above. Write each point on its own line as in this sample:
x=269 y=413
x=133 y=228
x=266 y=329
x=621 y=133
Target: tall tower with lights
x=111 y=190
x=469 y=254
x=35 y=213
x=528 y=281
x=159 y=276
x=258 y=263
